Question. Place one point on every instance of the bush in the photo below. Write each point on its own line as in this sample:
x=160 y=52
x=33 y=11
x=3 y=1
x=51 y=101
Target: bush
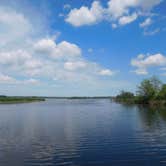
x=125 y=95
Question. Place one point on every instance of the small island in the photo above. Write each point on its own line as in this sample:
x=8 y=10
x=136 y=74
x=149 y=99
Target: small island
x=150 y=92
x=19 y=99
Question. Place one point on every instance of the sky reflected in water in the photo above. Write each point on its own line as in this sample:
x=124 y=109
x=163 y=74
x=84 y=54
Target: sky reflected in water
x=81 y=132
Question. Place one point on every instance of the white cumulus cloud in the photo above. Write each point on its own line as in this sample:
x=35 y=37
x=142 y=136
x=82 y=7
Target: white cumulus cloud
x=127 y=19
x=62 y=49
x=85 y=15
x=74 y=65
x=118 y=8
x=117 y=11
x=143 y=62
x=63 y=61
x=13 y=25
x=14 y=57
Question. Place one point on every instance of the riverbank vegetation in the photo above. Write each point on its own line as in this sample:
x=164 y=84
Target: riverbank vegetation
x=150 y=91
x=15 y=99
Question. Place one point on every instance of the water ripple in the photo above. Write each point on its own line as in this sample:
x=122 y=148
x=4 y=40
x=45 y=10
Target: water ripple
x=81 y=132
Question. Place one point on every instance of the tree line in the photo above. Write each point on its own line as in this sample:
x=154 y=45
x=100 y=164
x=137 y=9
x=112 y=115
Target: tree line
x=149 y=91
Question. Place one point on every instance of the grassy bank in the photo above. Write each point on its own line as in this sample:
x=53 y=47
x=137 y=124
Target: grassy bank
x=13 y=100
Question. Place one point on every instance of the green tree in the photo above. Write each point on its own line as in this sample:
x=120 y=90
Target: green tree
x=162 y=93
x=156 y=83
x=125 y=95
x=149 y=89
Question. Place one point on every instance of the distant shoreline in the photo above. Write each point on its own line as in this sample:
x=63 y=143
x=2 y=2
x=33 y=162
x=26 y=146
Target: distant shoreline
x=79 y=97
x=30 y=99
x=17 y=100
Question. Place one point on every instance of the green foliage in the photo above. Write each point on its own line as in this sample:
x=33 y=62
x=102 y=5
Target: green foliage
x=125 y=95
x=149 y=89
x=162 y=93
x=157 y=84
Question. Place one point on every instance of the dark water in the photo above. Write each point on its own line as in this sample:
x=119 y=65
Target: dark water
x=81 y=133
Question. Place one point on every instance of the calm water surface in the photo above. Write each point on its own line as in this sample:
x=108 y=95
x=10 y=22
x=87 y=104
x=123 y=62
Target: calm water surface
x=81 y=133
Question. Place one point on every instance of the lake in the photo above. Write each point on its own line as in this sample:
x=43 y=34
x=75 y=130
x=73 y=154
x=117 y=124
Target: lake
x=85 y=132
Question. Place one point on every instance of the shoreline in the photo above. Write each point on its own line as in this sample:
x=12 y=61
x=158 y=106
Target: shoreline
x=30 y=99
x=143 y=103
x=20 y=100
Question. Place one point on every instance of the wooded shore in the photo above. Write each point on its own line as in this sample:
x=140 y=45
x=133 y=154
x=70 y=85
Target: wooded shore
x=150 y=92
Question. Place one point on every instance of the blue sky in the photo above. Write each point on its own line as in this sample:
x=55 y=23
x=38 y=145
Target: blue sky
x=80 y=48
